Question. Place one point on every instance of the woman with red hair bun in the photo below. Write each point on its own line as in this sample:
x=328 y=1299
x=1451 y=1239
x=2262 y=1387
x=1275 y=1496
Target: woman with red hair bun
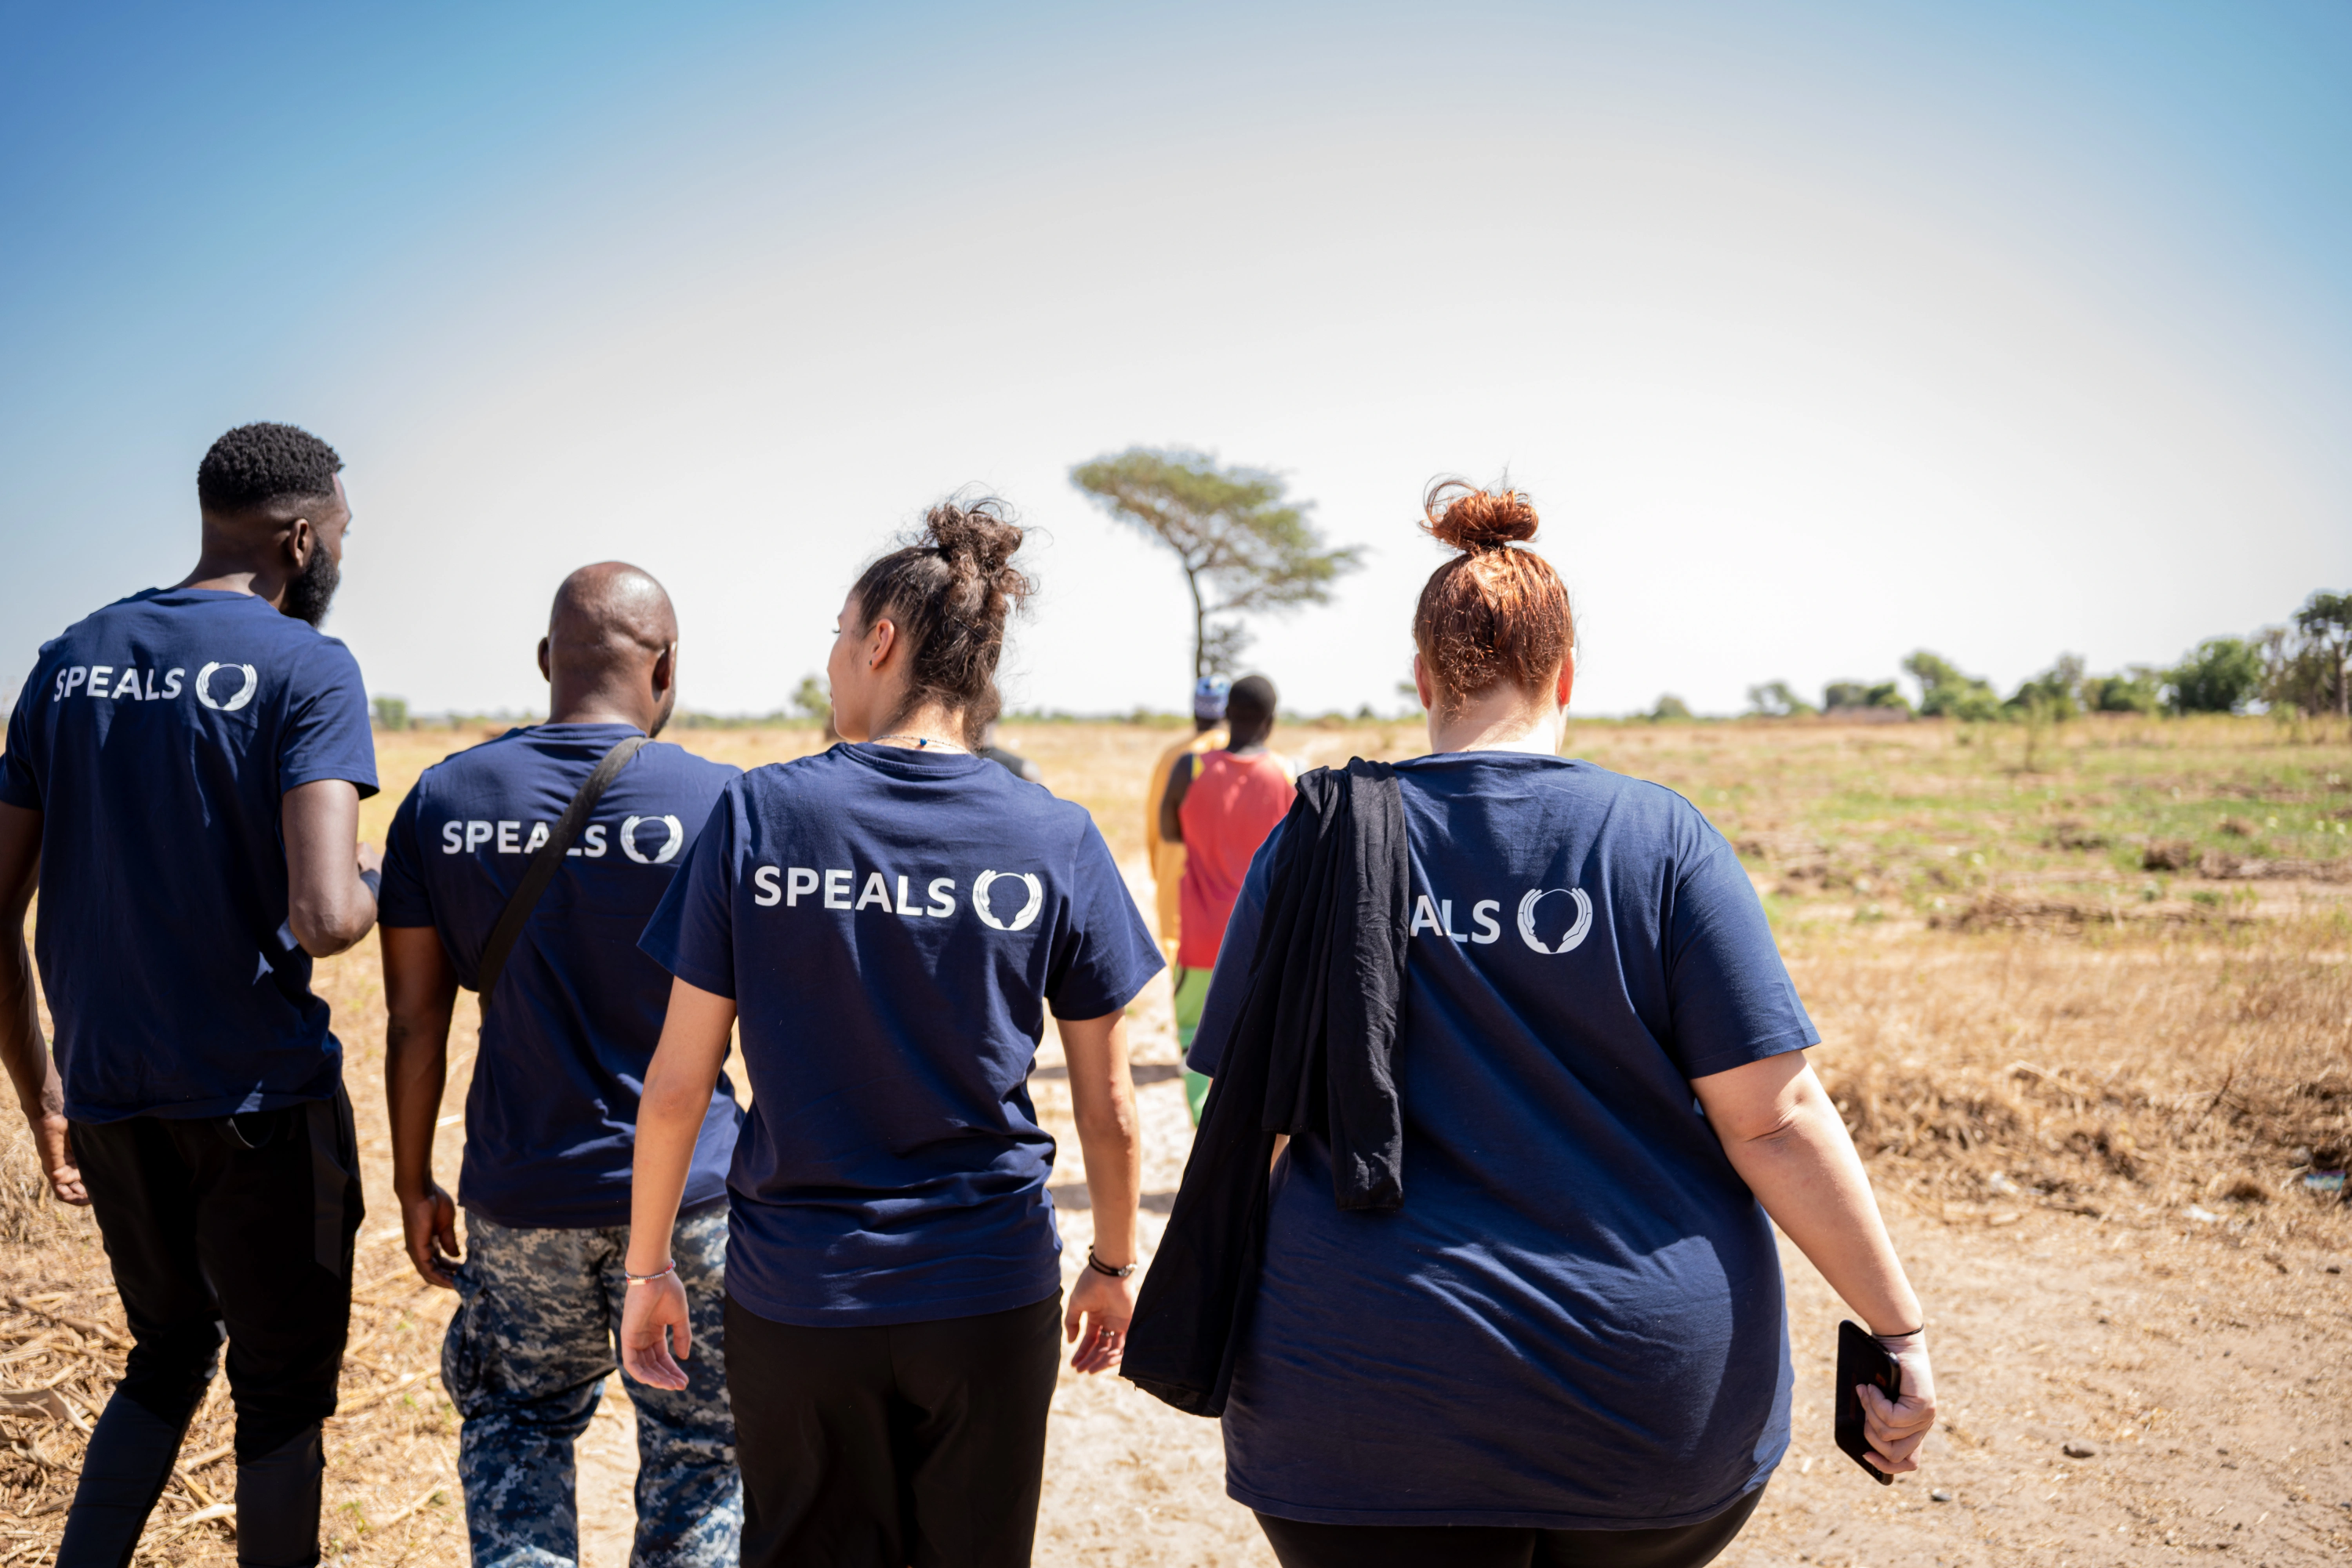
x=1535 y=1316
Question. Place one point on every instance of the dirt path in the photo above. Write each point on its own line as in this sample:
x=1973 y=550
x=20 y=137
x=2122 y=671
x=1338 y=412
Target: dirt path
x=2211 y=1383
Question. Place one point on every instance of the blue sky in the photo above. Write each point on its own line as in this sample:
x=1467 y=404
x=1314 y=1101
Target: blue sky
x=1820 y=331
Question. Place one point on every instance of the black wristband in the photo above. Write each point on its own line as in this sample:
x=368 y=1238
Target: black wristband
x=374 y=880
x=1099 y=1266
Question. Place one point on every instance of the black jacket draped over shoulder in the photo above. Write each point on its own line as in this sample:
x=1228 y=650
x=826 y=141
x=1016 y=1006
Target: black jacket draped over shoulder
x=1313 y=1051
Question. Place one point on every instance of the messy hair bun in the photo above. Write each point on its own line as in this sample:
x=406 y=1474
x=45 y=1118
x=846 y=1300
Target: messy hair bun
x=1494 y=613
x=981 y=537
x=950 y=592
x=1458 y=513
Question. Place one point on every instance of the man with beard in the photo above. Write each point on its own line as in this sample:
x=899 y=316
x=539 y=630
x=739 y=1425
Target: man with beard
x=182 y=779
x=571 y=1013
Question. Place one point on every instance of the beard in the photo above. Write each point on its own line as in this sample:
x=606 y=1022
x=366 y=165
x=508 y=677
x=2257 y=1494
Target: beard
x=308 y=596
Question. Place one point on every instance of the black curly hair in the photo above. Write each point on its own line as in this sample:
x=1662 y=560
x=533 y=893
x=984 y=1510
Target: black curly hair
x=253 y=465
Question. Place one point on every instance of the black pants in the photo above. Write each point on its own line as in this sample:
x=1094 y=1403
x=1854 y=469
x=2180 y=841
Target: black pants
x=243 y=1225
x=1298 y=1545
x=922 y=1444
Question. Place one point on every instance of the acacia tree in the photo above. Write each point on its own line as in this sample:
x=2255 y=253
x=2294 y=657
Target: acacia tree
x=1245 y=549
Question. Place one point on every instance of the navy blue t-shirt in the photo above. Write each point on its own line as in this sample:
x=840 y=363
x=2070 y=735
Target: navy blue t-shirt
x=552 y=1116
x=892 y=925
x=1575 y=1321
x=157 y=738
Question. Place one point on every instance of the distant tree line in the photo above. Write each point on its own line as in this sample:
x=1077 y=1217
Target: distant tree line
x=2303 y=664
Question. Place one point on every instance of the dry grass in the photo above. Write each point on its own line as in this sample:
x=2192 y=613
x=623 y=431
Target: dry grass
x=2134 y=1079
x=2066 y=1030
x=390 y=1449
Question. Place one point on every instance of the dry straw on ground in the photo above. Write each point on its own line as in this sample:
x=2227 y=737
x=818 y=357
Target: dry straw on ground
x=2123 y=1079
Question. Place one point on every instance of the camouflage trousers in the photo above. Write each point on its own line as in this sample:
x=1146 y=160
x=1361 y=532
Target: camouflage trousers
x=525 y=1363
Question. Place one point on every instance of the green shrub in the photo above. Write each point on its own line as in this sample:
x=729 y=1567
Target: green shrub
x=1773 y=700
x=2053 y=696
x=811 y=699
x=1857 y=694
x=1945 y=692
x=2139 y=690
x=2221 y=677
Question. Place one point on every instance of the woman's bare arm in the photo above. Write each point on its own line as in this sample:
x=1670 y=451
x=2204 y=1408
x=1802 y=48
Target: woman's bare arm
x=670 y=1112
x=1786 y=1142
x=1102 y=1096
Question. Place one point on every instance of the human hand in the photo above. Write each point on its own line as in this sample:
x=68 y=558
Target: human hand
x=653 y=1321
x=1896 y=1427
x=1105 y=1307
x=51 y=1137
x=430 y=1221
x=371 y=858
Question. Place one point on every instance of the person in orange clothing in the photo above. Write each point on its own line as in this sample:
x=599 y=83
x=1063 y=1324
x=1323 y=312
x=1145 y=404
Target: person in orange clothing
x=1219 y=806
x=1167 y=854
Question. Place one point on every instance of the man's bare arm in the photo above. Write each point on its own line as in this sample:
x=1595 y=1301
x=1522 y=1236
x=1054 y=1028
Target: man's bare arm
x=420 y=993
x=1171 y=799
x=328 y=907
x=22 y=1049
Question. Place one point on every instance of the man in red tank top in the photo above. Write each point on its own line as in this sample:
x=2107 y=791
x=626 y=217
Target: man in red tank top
x=1221 y=807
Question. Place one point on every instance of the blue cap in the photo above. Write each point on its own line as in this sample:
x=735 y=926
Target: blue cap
x=1208 y=696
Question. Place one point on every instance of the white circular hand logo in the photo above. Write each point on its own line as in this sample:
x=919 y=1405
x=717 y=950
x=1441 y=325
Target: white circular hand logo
x=629 y=839
x=1028 y=915
x=1576 y=933
x=244 y=693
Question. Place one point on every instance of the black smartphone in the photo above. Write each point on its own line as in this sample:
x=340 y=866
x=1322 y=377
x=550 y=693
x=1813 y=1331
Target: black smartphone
x=1860 y=1359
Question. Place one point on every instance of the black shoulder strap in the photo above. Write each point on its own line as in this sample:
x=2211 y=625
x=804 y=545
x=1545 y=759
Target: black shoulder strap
x=543 y=867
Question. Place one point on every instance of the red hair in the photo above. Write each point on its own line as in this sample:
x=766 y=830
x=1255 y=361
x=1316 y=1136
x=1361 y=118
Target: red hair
x=1494 y=613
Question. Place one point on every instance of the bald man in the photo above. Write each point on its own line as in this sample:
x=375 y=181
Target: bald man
x=568 y=1027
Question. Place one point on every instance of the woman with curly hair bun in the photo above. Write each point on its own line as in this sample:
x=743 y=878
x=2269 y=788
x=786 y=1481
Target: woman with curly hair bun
x=888 y=922
x=1518 y=1299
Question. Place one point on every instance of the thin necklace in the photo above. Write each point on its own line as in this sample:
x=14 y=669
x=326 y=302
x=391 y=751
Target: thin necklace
x=922 y=743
